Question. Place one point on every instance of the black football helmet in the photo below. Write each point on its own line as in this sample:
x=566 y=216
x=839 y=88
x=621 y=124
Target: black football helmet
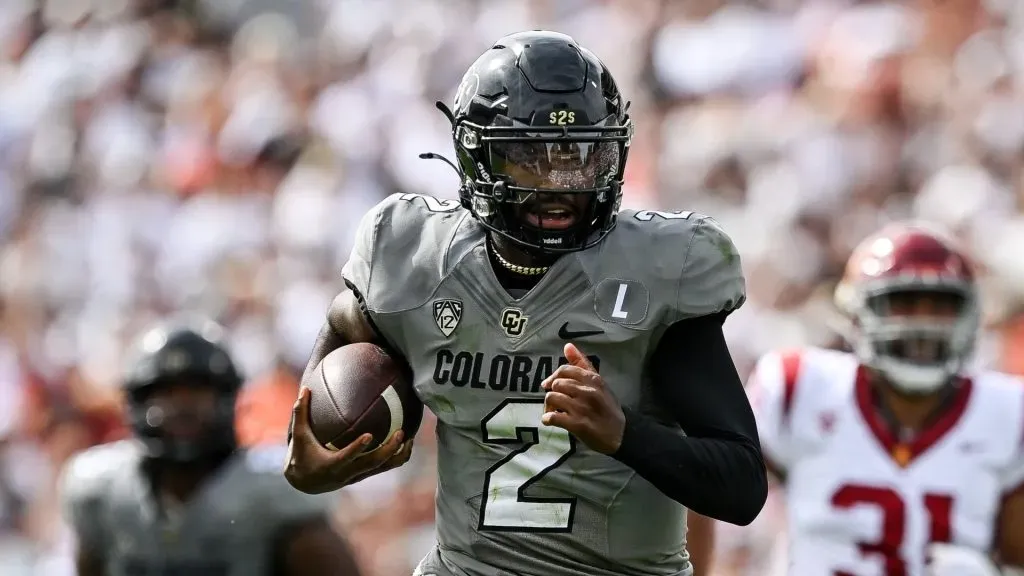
x=191 y=355
x=541 y=134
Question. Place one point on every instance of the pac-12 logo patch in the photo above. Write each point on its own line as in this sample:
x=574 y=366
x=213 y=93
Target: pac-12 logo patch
x=447 y=314
x=513 y=322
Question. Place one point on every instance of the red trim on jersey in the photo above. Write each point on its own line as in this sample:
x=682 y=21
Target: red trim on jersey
x=791 y=360
x=905 y=454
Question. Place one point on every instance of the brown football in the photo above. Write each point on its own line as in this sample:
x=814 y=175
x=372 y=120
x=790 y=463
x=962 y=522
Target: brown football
x=360 y=388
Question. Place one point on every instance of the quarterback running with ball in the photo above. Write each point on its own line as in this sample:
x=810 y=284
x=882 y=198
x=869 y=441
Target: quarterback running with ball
x=572 y=352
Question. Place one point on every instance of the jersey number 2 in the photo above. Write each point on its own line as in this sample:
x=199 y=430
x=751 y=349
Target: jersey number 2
x=648 y=215
x=433 y=204
x=894 y=521
x=504 y=505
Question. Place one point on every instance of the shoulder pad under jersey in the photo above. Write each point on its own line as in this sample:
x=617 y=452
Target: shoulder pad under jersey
x=87 y=481
x=789 y=390
x=687 y=257
x=999 y=400
x=406 y=241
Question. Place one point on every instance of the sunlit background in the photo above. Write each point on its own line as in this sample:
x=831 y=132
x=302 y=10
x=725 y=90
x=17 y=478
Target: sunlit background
x=160 y=155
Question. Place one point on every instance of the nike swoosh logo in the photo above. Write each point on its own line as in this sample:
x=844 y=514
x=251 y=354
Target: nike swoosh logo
x=565 y=334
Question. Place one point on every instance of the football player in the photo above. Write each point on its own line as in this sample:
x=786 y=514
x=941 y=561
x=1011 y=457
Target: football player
x=179 y=498
x=572 y=353
x=895 y=454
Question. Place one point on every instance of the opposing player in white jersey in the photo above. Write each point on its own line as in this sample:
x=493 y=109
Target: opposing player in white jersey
x=895 y=454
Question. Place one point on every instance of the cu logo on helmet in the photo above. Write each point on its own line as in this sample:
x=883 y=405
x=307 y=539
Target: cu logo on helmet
x=513 y=322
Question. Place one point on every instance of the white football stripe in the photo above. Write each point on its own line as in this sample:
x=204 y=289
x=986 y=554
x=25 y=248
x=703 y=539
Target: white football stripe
x=394 y=403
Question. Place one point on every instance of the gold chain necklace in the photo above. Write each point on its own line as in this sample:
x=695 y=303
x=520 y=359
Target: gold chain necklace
x=524 y=270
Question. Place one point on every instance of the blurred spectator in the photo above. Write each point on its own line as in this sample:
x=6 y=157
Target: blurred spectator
x=264 y=408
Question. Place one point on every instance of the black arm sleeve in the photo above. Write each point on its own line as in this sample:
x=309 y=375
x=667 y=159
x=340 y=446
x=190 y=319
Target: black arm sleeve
x=716 y=470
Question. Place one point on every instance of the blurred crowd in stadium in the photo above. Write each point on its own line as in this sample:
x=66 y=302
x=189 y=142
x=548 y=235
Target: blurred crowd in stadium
x=158 y=156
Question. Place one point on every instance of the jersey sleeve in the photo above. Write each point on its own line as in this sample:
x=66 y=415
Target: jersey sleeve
x=81 y=492
x=396 y=258
x=358 y=270
x=771 y=389
x=712 y=278
x=1012 y=477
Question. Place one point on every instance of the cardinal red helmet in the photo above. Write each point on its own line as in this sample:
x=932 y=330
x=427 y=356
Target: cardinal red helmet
x=911 y=296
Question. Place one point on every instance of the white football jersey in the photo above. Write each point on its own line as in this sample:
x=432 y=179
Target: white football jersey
x=861 y=502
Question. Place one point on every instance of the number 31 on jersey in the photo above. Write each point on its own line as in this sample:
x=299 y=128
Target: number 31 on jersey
x=889 y=546
x=504 y=505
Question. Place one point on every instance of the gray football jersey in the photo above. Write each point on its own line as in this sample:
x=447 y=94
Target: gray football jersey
x=516 y=497
x=227 y=529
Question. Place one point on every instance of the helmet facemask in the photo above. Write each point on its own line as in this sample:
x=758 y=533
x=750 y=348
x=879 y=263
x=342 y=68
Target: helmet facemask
x=546 y=189
x=184 y=431
x=918 y=335
x=538 y=123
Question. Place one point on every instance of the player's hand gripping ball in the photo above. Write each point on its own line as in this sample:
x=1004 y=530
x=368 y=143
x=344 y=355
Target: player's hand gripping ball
x=359 y=389
x=358 y=424
x=314 y=469
x=578 y=401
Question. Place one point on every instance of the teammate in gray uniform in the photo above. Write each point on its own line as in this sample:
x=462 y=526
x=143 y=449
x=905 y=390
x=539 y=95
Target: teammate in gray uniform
x=179 y=499
x=551 y=460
